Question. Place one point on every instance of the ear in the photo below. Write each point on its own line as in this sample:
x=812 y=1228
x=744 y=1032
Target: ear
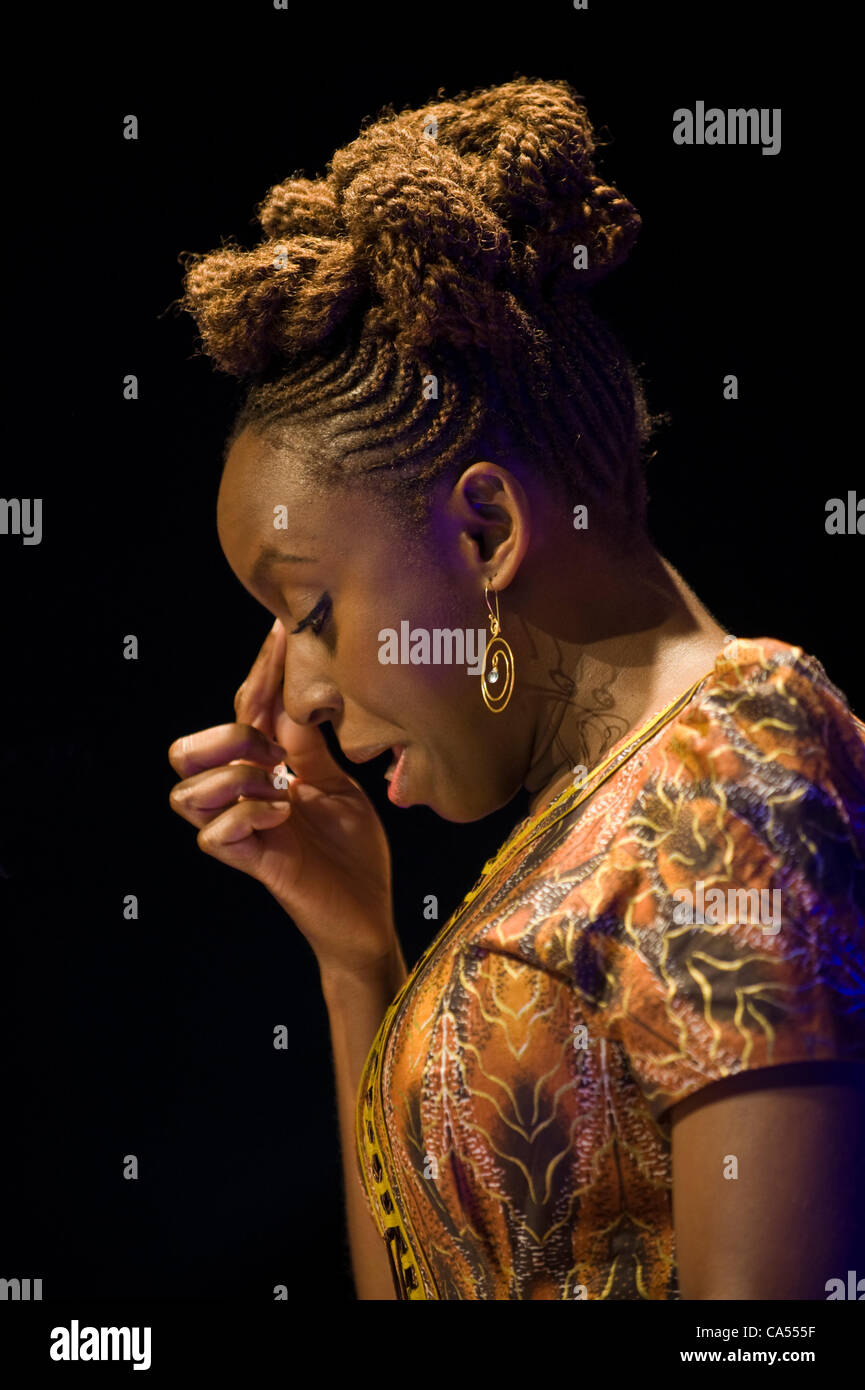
x=490 y=507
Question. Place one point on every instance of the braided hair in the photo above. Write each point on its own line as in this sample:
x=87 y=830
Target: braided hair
x=419 y=307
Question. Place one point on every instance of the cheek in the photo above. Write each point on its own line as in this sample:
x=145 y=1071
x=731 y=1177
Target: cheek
x=418 y=669
x=412 y=651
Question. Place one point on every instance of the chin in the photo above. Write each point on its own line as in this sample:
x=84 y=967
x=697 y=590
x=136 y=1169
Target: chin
x=459 y=801
x=465 y=810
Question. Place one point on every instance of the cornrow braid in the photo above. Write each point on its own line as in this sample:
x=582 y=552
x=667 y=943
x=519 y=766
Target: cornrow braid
x=419 y=304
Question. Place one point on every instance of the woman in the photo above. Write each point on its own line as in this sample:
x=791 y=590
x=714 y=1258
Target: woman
x=630 y=1066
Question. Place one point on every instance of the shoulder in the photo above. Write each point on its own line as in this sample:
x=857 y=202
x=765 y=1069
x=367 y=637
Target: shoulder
x=757 y=786
x=744 y=944
x=770 y=754
x=765 y=702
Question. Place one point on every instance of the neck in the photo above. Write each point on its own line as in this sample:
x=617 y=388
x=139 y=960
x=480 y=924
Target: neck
x=597 y=671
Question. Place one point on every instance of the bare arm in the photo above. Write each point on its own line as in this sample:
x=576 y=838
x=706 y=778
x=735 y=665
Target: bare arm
x=356 y=1005
x=792 y=1216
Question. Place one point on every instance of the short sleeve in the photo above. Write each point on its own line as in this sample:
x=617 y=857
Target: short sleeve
x=745 y=947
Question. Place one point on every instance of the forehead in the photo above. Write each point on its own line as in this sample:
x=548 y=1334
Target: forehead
x=269 y=496
x=261 y=475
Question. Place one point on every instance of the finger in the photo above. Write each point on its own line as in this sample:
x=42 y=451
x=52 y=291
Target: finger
x=254 y=700
x=231 y=838
x=212 y=747
x=307 y=753
x=201 y=798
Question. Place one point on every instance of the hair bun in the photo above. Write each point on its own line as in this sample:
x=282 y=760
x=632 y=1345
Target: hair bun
x=298 y=206
x=534 y=146
x=437 y=223
x=431 y=247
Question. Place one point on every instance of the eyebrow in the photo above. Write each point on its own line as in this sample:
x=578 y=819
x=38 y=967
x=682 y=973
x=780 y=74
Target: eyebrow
x=268 y=555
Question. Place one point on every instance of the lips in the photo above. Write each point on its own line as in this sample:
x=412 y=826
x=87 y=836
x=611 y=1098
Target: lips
x=396 y=777
x=366 y=755
x=394 y=773
x=397 y=750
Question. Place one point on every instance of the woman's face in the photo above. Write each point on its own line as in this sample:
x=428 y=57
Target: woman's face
x=357 y=575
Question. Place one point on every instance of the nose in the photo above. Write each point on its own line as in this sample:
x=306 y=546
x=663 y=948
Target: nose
x=308 y=698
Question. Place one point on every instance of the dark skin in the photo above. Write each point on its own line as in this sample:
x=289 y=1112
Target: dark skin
x=604 y=634
x=643 y=638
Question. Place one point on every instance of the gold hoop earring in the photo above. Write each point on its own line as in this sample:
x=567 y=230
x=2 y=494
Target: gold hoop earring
x=497 y=677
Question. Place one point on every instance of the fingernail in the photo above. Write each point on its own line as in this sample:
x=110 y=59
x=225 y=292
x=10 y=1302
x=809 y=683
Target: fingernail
x=281 y=805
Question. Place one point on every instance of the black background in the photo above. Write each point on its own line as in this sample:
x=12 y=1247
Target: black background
x=154 y=1037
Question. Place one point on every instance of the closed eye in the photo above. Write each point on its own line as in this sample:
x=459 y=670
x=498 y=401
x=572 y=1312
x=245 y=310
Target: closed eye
x=316 y=617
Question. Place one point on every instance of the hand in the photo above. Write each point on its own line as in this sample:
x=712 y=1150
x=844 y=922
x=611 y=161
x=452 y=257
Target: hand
x=317 y=845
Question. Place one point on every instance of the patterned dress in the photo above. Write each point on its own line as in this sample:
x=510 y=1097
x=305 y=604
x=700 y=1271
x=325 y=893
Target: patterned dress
x=695 y=909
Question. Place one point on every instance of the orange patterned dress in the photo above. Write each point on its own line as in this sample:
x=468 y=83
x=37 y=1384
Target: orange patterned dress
x=513 y=1134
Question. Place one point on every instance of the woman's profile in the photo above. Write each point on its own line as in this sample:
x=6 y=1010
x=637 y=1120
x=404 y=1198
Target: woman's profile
x=630 y=1065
